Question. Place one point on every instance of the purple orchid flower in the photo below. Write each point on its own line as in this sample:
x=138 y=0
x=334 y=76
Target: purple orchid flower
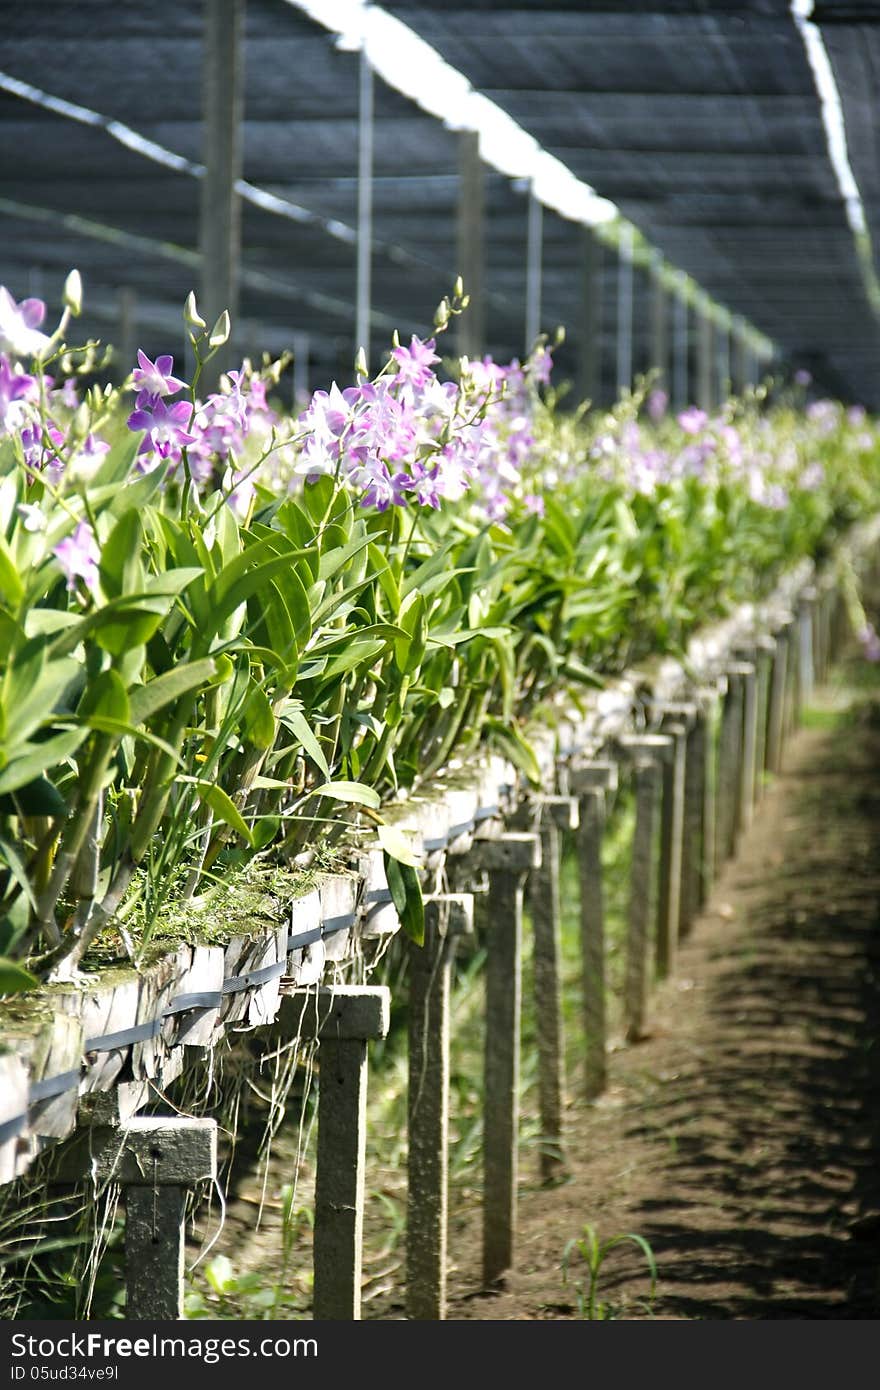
x=38 y=454
x=19 y=324
x=165 y=428
x=16 y=389
x=78 y=556
x=380 y=490
x=153 y=379
x=415 y=362
x=424 y=483
x=85 y=463
x=693 y=420
x=870 y=642
x=540 y=365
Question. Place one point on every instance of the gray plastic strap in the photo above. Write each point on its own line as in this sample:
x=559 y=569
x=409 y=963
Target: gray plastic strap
x=182 y=1003
x=237 y=983
x=303 y=938
x=11 y=1128
x=377 y=896
x=331 y=925
x=52 y=1086
x=109 y=1042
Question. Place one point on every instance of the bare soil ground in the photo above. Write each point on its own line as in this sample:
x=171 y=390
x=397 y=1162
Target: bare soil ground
x=741 y=1138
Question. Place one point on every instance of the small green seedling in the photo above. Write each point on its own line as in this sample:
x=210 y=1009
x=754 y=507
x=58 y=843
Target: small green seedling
x=594 y=1252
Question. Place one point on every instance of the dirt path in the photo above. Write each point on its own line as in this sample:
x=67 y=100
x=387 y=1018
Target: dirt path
x=742 y=1138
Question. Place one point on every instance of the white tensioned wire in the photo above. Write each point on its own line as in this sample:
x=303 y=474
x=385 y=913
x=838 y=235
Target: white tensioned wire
x=251 y=193
x=410 y=65
x=835 y=138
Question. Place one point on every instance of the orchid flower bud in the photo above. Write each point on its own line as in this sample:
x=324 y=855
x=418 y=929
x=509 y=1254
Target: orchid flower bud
x=191 y=313
x=221 y=330
x=73 y=293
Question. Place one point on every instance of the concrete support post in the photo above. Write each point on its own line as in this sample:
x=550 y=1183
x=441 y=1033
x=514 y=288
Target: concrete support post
x=343 y=1018
x=558 y=814
x=692 y=831
x=807 y=604
x=669 y=893
x=507 y=862
x=777 y=699
x=646 y=779
x=155 y=1159
x=765 y=652
x=430 y=971
x=647 y=752
x=590 y=784
x=708 y=859
x=793 y=693
x=748 y=768
x=730 y=746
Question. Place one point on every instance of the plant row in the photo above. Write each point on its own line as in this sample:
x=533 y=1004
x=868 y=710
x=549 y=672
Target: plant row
x=225 y=630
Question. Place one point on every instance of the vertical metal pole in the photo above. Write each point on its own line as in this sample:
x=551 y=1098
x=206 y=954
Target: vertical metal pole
x=365 y=207
x=534 y=262
x=590 y=357
x=127 y=346
x=220 y=212
x=471 y=248
x=680 y=385
x=659 y=326
x=625 y=310
x=738 y=381
x=300 y=369
x=704 y=359
x=722 y=340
